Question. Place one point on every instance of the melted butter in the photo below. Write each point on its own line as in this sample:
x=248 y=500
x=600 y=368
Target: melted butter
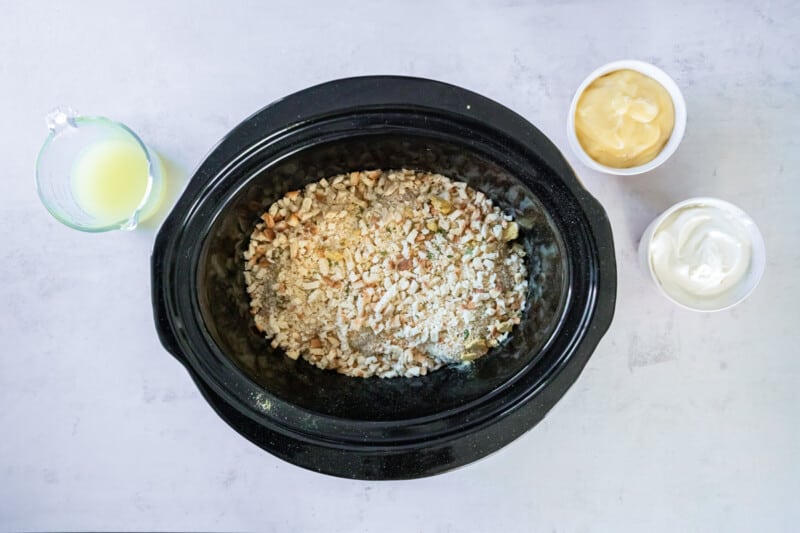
x=624 y=119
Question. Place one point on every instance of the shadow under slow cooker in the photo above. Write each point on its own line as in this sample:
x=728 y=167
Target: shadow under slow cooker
x=224 y=303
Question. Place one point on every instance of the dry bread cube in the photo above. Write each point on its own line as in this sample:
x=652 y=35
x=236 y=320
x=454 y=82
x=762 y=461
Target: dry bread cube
x=385 y=273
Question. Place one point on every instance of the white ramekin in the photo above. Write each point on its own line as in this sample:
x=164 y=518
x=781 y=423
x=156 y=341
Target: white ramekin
x=678 y=129
x=748 y=283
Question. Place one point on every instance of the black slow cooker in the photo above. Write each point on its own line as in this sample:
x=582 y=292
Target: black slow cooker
x=382 y=428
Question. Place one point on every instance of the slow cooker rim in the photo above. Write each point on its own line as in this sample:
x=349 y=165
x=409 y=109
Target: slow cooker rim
x=588 y=204
x=470 y=410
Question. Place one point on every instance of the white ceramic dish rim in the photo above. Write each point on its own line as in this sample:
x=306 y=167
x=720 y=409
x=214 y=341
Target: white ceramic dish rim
x=678 y=129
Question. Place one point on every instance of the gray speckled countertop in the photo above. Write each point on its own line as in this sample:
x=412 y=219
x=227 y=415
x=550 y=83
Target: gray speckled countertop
x=680 y=422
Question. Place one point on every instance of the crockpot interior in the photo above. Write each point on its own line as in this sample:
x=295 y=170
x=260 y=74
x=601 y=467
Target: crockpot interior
x=223 y=302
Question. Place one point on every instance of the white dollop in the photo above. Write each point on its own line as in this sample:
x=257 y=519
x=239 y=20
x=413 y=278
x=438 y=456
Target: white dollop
x=700 y=252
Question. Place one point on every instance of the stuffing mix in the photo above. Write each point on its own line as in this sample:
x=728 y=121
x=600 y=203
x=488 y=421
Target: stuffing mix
x=385 y=273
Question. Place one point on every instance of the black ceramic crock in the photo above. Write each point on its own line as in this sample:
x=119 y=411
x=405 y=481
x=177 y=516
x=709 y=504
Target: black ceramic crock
x=382 y=428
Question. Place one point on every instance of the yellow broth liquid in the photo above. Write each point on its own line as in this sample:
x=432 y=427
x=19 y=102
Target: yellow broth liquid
x=110 y=180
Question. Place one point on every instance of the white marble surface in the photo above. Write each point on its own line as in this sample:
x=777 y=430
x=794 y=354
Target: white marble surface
x=680 y=422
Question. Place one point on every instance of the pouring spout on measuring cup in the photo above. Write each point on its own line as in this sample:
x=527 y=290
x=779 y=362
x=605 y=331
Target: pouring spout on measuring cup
x=60 y=119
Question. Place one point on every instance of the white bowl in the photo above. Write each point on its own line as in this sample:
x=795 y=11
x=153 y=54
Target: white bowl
x=730 y=298
x=678 y=129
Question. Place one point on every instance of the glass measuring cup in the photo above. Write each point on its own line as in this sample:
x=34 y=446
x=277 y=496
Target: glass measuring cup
x=94 y=174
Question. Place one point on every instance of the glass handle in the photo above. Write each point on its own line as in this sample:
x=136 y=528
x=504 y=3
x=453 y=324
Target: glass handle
x=60 y=119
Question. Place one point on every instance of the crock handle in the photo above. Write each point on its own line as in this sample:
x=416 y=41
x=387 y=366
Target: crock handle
x=167 y=338
x=164 y=327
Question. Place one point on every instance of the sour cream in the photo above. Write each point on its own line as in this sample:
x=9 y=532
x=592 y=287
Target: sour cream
x=702 y=253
